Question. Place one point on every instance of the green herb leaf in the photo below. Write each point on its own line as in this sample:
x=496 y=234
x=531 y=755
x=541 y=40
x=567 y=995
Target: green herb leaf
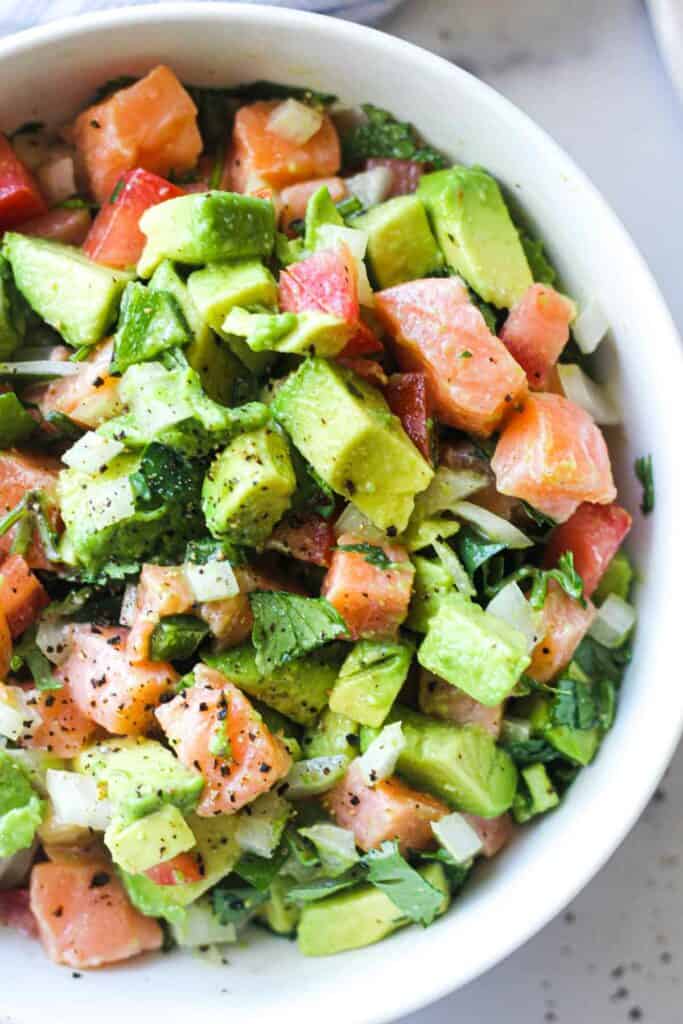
x=177 y=637
x=381 y=135
x=286 y=626
x=27 y=652
x=573 y=705
x=265 y=90
x=373 y=554
x=532 y=751
x=602 y=663
x=565 y=575
x=645 y=473
x=392 y=874
x=456 y=873
x=474 y=549
x=259 y=872
x=319 y=888
x=234 y=904
x=15 y=423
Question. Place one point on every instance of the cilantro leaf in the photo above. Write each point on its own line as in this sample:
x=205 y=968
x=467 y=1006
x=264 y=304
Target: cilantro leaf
x=456 y=873
x=259 y=872
x=265 y=90
x=602 y=663
x=565 y=575
x=574 y=705
x=389 y=872
x=541 y=269
x=474 y=549
x=287 y=626
x=234 y=904
x=373 y=554
x=381 y=135
x=27 y=652
x=319 y=888
x=645 y=473
x=532 y=751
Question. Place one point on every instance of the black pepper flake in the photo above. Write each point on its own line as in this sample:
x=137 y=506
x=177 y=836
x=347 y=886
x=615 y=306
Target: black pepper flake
x=99 y=879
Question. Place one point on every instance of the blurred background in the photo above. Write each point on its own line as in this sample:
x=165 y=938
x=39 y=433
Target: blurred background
x=598 y=75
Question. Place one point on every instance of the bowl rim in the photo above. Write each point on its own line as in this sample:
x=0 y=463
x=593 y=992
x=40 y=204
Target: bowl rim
x=416 y=992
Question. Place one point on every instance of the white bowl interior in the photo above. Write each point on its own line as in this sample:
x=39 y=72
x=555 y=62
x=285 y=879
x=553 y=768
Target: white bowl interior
x=48 y=74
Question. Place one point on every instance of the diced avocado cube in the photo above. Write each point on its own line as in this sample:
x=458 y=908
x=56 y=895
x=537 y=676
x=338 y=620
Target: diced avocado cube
x=248 y=487
x=537 y=796
x=370 y=680
x=15 y=422
x=73 y=294
x=435 y=874
x=461 y=764
x=617 y=579
x=151 y=322
x=13 y=311
x=216 y=845
x=167 y=279
x=333 y=734
x=281 y=917
x=344 y=428
x=21 y=809
x=431 y=584
x=319 y=210
x=578 y=745
x=475 y=651
x=299 y=689
x=206 y=228
x=177 y=637
x=218 y=288
x=307 y=333
x=140 y=776
x=147 y=841
x=401 y=246
x=476 y=233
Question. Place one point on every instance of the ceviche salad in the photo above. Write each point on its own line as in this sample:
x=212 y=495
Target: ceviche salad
x=312 y=590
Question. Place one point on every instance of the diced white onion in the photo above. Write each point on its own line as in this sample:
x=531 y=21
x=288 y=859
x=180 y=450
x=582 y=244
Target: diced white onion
x=352 y=520
x=294 y=121
x=379 y=760
x=91 y=453
x=76 y=800
x=213 y=581
x=57 y=179
x=494 y=527
x=581 y=390
x=129 y=605
x=457 y=837
x=371 y=187
x=111 y=502
x=32 y=148
x=590 y=327
x=448 y=486
x=516 y=730
x=39 y=368
x=454 y=567
x=199 y=926
x=52 y=637
x=17 y=716
x=512 y=607
x=336 y=846
x=261 y=824
x=614 y=621
x=315 y=775
x=332 y=235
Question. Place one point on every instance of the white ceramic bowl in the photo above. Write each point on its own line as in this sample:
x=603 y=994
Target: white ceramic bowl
x=48 y=73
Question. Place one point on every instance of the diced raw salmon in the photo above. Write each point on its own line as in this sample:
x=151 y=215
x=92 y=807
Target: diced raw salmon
x=552 y=455
x=84 y=916
x=63 y=730
x=151 y=124
x=536 y=331
x=564 y=625
x=372 y=601
x=230 y=619
x=408 y=398
x=325 y=282
x=22 y=595
x=593 y=534
x=67 y=226
x=439 y=698
x=260 y=157
x=495 y=833
x=295 y=198
x=254 y=759
x=107 y=687
x=89 y=397
x=309 y=539
x=473 y=379
x=162 y=590
x=388 y=810
x=21 y=472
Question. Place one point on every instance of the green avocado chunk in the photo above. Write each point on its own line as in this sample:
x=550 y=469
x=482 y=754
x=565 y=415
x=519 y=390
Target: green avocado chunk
x=401 y=246
x=177 y=637
x=13 y=311
x=307 y=333
x=431 y=584
x=206 y=227
x=536 y=793
x=578 y=745
x=145 y=842
x=15 y=422
x=21 y=809
x=332 y=735
x=218 y=288
x=474 y=651
x=617 y=579
x=151 y=322
x=281 y=917
x=299 y=689
x=320 y=210
x=248 y=487
x=344 y=428
x=370 y=680
x=73 y=294
x=476 y=234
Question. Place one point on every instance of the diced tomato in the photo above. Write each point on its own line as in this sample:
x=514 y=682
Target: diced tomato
x=107 y=687
x=295 y=198
x=20 y=197
x=368 y=369
x=564 y=625
x=261 y=157
x=22 y=595
x=552 y=455
x=21 y=472
x=364 y=343
x=15 y=912
x=372 y=601
x=593 y=534
x=184 y=868
x=115 y=238
x=88 y=397
x=388 y=810
x=473 y=379
x=442 y=700
x=64 y=730
x=405 y=174
x=408 y=398
x=67 y=226
x=310 y=539
x=162 y=590
x=151 y=124
x=84 y=916
x=254 y=761
x=495 y=833
x=5 y=645
x=536 y=331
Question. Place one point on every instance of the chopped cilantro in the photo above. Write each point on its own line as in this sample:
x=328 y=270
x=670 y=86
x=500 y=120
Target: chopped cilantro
x=645 y=473
x=286 y=626
x=26 y=652
x=392 y=874
x=381 y=135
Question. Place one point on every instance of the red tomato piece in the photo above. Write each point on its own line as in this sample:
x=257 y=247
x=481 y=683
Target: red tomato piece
x=22 y=595
x=388 y=810
x=84 y=916
x=593 y=534
x=67 y=226
x=368 y=369
x=261 y=157
x=295 y=198
x=495 y=833
x=115 y=238
x=364 y=342
x=182 y=869
x=372 y=601
x=255 y=760
x=15 y=911
x=536 y=331
x=564 y=625
x=20 y=197
x=408 y=398
x=552 y=455
x=88 y=397
x=21 y=472
x=162 y=590
x=473 y=379
x=309 y=539
x=406 y=174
